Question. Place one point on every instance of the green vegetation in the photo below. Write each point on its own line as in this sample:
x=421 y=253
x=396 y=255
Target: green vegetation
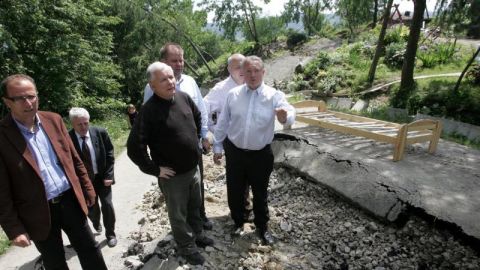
x=4 y=242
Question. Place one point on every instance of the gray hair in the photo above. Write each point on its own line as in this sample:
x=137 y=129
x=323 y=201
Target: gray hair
x=235 y=56
x=77 y=112
x=253 y=58
x=157 y=66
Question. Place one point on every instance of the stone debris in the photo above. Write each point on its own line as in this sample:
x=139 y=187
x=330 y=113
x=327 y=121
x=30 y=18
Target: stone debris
x=314 y=228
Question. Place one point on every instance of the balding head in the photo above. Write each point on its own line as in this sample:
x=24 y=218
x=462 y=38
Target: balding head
x=235 y=67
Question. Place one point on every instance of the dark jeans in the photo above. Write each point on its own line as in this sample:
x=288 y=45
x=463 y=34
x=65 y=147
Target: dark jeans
x=105 y=195
x=69 y=217
x=183 y=199
x=248 y=168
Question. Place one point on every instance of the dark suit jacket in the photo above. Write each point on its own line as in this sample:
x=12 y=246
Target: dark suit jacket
x=103 y=151
x=23 y=201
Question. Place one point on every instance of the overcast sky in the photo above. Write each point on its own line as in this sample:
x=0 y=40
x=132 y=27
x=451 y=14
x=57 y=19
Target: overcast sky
x=275 y=7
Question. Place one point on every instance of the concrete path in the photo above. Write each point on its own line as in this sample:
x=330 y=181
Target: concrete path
x=128 y=192
x=446 y=184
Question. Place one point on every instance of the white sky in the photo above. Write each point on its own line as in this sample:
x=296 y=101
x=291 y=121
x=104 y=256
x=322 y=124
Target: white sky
x=275 y=7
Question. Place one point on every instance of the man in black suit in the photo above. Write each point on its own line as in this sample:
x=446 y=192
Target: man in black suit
x=94 y=146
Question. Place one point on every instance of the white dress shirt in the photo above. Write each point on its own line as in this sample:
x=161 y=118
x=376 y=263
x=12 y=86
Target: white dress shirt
x=90 y=147
x=215 y=99
x=248 y=117
x=187 y=85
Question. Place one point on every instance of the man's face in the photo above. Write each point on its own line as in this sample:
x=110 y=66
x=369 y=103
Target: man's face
x=81 y=125
x=174 y=59
x=235 y=70
x=22 y=100
x=253 y=72
x=163 y=83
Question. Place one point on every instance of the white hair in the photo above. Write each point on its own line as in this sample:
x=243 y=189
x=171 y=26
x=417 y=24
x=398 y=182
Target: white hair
x=253 y=58
x=156 y=66
x=77 y=112
x=235 y=56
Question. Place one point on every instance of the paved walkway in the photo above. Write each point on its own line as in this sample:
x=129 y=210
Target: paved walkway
x=128 y=192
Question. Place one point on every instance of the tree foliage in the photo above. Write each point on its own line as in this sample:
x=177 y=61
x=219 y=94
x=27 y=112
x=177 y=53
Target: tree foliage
x=354 y=13
x=233 y=15
x=64 y=45
x=309 y=12
x=460 y=15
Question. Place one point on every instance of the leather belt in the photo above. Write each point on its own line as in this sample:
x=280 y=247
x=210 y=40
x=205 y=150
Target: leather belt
x=58 y=199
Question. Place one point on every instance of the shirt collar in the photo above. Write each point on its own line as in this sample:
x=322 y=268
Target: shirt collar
x=258 y=90
x=24 y=129
x=80 y=136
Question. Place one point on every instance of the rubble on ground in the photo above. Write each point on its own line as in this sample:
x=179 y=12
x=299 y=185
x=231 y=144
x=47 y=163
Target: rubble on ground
x=314 y=228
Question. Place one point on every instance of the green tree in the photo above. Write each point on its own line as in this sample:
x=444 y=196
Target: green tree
x=460 y=15
x=232 y=15
x=354 y=13
x=380 y=43
x=407 y=84
x=64 y=45
x=268 y=29
x=309 y=11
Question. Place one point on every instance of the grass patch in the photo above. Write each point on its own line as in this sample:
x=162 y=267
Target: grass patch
x=4 y=242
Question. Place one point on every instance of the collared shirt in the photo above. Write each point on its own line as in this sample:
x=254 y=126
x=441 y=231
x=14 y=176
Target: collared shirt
x=215 y=99
x=53 y=176
x=248 y=117
x=88 y=140
x=187 y=85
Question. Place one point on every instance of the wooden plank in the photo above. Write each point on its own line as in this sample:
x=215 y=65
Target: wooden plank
x=319 y=104
x=419 y=139
x=348 y=130
x=362 y=119
x=400 y=144
x=435 y=137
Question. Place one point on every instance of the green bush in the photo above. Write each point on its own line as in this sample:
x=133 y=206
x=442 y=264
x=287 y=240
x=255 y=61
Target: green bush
x=4 y=243
x=295 y=38
x=394 y=54
x=102 y=107
x=436 y=54
x=398 y=34
x=473 y=74
x=321 y=61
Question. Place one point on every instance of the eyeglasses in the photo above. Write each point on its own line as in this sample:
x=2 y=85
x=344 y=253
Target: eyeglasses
x=18 y=99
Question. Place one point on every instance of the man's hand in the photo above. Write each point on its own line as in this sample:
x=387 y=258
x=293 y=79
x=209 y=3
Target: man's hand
x=107 y=182
x=217 y=157
x=22 y=240
x=205 y=145
x=90 y=201
x=166 y=172
x=281 y=115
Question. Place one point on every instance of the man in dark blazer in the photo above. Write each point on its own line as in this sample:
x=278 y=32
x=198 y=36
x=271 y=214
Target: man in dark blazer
x=44 y=186
x=98 y=158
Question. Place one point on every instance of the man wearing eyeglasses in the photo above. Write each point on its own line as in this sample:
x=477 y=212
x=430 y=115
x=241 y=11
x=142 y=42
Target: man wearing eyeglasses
x=43 y=180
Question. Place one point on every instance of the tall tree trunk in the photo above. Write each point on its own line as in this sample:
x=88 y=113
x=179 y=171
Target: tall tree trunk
x=375 y=12
x=381 y=37
x=457 y=85
x=407 y=83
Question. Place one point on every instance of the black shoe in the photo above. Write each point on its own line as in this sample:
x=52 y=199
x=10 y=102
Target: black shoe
x=204 y=241
x=194 y=258
x=266 y=237
x=112 y=241
x=207 y=224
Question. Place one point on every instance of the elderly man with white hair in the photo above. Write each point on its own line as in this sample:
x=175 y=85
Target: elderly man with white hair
x=96 y=150
x=169 y=124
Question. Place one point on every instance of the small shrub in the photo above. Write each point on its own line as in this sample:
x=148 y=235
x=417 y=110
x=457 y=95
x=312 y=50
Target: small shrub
x=473 y=74
x=394 y=54
x=397 y=34
x=295 y=38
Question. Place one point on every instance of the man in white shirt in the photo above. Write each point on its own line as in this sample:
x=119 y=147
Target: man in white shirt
x=245 y=129
x=172 y=55
x=215 y=99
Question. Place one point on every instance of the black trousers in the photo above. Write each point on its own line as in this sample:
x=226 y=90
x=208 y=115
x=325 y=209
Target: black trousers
x=248 y=168
x=203 y=213
x=104 y=194
x=67 y=215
